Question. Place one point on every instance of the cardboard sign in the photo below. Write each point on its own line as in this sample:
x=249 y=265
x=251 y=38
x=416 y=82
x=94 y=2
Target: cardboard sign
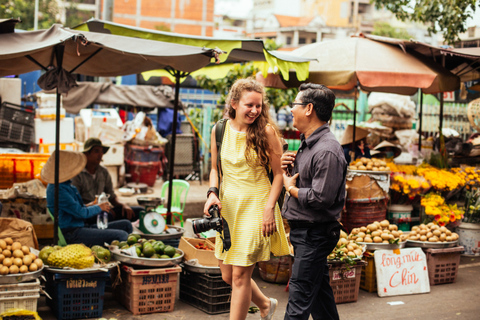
x=403 y=273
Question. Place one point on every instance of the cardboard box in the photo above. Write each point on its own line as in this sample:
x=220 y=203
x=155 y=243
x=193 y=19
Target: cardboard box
x=364 y=187
x=204 y=257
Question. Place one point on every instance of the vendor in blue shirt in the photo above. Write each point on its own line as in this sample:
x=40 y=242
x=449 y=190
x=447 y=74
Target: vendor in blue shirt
x=361 y=148
x=72 y=213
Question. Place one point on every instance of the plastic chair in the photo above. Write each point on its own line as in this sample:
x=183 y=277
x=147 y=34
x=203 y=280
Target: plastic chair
x=179 y=198
x=61 y=239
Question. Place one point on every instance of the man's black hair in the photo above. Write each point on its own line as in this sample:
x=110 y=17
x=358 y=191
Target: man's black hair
x=322 y=98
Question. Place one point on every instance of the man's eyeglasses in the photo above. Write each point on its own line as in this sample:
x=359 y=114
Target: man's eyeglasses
x=299 y=104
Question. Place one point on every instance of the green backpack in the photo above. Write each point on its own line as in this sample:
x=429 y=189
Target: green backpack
x=219 y=132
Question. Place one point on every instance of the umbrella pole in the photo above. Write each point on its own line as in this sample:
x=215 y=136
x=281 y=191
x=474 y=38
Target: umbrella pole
x=352 y=153
x=57 y=169
x=420 y=116
x=172 y=147
x=441 y=113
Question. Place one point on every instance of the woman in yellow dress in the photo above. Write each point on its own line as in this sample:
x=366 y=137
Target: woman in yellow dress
x=247 y=200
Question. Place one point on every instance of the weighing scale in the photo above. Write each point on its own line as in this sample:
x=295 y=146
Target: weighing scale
x=151 y=222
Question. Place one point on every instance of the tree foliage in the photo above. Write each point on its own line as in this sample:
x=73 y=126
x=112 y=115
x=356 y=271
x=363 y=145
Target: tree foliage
x=276 y=97
x=446 y=16
x=24 y=9
x=384 y=29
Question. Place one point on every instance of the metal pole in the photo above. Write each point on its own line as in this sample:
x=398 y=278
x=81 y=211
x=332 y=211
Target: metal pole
x=172 y=147
x=57 y=169
x=35 y=16
x=420 y=116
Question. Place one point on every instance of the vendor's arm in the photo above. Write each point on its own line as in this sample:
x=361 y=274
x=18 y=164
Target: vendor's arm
x=213 y=197
x=328 y=174
x=70 y=202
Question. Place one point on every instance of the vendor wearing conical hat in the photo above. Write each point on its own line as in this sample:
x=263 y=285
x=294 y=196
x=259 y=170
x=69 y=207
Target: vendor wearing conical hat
x=387 y=150
x=72 y=213
x=361 y=148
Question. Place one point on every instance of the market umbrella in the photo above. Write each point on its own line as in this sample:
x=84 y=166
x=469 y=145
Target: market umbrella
x=61 y=51
x=346 y=64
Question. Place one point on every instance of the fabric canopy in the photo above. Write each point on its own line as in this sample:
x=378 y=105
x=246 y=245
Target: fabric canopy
x=464 y=62
x=95 y=54
x=237 y=50
x=374 y=66
x=88 y=93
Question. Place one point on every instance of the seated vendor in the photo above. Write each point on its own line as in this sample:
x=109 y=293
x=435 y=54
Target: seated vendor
x=95 y=179
x=361 y=148
x=72 y=213
x=387 y=150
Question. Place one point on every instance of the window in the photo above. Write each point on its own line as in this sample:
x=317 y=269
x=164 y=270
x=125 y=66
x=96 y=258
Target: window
x=289 y=40
x=302 y=40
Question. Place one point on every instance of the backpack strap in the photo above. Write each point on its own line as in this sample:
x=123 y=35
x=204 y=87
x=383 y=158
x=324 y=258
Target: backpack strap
x=219 y=132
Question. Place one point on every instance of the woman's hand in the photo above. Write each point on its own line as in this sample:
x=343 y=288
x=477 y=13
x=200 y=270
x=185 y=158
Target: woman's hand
x=212 y=200
x=268 y=222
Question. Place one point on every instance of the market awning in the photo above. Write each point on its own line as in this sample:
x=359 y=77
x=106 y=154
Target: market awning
x=107 y=93
x=237 y=50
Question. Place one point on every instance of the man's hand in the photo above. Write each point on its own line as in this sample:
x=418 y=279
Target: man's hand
x=105 y=206
x=287 y=162
x=128 y=212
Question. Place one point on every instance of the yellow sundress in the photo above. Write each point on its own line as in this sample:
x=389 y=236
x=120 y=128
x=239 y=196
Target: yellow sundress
x=244 y=193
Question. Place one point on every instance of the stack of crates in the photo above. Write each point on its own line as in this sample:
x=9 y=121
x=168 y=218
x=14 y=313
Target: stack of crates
x=148 y=290
x=22 y=295
x=76 y=296
x=345 y=281
x=16 y=126
x=368 y=281
x=206 y=292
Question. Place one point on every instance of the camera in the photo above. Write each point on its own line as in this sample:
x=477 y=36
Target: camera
x=215 y=222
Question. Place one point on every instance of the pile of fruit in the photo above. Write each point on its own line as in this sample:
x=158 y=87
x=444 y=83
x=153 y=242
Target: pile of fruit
x=369 y=165
x=378 y=232
x=77 y=256
x=203 y=246
x=346 y=250
x=432 y=233
x=153 y=249
x=17 y=258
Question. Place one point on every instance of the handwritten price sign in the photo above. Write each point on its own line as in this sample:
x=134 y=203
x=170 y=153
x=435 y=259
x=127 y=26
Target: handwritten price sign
x=404 y=273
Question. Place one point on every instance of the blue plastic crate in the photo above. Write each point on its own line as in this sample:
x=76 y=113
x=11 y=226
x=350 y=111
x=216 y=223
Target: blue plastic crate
x=76 y=296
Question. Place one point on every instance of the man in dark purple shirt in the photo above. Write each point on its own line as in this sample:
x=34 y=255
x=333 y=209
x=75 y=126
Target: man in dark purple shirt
x=314 y=178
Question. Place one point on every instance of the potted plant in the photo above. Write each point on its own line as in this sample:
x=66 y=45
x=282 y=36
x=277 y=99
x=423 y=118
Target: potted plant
x=469 y=228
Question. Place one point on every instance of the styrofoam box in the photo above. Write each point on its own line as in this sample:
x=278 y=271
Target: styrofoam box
x=11 y=90
x=45 y=130
x=113 y=171
x=114 y=155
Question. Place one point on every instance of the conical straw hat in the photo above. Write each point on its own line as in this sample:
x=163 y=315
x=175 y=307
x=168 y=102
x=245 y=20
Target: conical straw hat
x=71 y=164
x=384 y=145
x=348 y=135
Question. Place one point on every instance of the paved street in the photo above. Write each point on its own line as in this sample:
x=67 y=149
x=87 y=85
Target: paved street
x=459 y=300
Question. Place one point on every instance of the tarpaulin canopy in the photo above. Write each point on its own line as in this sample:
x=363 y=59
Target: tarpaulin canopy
x=237 y=50
x=87 y=93
x=374 y=66
x=463 y=62
x=8 y=25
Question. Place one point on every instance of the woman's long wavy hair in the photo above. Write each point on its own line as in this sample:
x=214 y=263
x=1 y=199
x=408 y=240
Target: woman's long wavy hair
x=257 y=141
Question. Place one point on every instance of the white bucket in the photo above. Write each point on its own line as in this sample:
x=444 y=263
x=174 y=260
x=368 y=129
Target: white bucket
x=469 y=237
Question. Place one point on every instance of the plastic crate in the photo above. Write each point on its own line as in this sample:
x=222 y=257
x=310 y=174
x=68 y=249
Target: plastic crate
x=443 y=264
x=16 y=132
x=76 y=296
x=20 y=296
x=148 y=290
x=368 y=280
x=206 y=292
x=17 y=114
x=142 y=153
x=203 y=305
x=145 y=172
x=345 y=281
x=17 y=167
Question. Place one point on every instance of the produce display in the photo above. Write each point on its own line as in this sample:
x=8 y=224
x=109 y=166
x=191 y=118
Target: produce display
x=16 y=258
x=77 y=256
x=152 y=249
x=432 y=233
x=346 y=249
x=369 y=165
x=378 y=232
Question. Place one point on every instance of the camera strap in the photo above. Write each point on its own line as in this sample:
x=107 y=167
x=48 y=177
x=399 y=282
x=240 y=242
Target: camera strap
x=227 y=240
